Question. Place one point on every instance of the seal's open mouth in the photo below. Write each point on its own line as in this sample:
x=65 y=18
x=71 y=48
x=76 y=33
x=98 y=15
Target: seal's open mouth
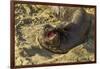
x=51 y=35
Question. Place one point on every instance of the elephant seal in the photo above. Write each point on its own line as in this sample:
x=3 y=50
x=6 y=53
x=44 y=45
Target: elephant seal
x=67 y=35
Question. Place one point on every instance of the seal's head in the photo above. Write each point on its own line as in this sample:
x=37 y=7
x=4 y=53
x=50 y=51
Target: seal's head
x=49 y=37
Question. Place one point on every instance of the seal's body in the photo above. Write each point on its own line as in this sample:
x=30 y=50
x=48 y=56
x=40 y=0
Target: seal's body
x=67 y=35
